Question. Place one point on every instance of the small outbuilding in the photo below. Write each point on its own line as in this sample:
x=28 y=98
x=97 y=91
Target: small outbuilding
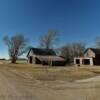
x=91 y=57
x=45 y=57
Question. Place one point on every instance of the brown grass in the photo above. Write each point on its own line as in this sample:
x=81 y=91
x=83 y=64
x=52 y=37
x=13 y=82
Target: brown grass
x=48 y=83
x=49 y=73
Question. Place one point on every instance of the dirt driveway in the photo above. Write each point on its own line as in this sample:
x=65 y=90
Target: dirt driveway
x=14 y=86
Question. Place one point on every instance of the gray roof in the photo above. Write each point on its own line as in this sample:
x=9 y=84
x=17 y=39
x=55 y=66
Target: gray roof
x=38 y=51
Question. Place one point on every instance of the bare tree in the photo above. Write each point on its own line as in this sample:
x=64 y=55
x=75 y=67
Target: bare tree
x=78 y=49
x=97 y=42
x=72 y=50
x=66 y=53
x=16 y=46
x=49 y=39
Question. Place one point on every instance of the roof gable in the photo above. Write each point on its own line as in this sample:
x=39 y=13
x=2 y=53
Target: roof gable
x=43 y=52
x=95 y=50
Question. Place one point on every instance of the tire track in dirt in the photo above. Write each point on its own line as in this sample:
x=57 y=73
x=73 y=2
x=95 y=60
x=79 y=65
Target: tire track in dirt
x=10 y=90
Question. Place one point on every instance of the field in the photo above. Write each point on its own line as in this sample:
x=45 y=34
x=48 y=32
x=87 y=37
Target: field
x=23 y=81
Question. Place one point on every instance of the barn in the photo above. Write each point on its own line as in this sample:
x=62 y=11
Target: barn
x=45 y=57
x=91 y=57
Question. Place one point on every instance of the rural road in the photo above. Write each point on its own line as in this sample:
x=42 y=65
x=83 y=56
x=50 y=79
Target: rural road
x=14 y=86
x=12 y=89
x=93 y=79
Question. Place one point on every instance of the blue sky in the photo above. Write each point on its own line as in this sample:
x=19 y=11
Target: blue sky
x=76 y=20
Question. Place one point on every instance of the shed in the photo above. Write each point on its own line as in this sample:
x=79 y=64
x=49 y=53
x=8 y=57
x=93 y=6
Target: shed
x=44 y=56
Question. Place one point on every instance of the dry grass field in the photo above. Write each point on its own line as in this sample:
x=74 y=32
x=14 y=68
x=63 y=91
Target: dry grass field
x=23 y=81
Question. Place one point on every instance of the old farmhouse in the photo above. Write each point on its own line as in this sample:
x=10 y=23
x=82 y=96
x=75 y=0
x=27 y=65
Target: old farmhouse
x=44 y=56
x=91 y=57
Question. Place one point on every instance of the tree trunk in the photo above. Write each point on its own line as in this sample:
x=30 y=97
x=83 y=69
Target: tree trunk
x=13 y=60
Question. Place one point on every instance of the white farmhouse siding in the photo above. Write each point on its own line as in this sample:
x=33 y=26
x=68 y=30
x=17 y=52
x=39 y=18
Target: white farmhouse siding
x=89 y=53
